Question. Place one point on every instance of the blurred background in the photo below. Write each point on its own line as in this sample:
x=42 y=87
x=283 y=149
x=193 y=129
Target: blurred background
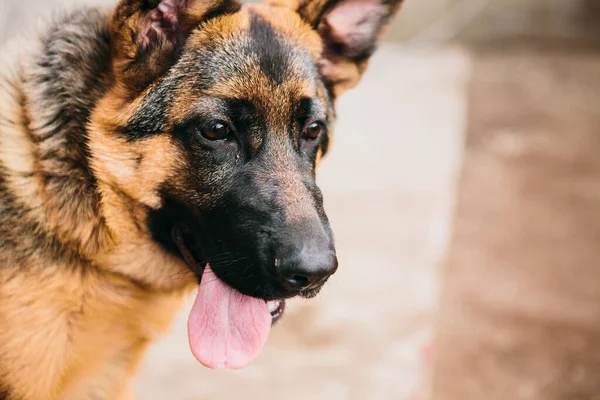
x=464 y=191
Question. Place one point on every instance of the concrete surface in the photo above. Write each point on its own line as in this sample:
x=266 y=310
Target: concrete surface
x=520 y=314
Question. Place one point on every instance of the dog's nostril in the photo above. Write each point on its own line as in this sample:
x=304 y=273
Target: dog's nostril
x=299 y=281
x=300 y=277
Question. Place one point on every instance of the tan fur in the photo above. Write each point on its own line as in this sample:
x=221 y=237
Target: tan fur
x=63 y=319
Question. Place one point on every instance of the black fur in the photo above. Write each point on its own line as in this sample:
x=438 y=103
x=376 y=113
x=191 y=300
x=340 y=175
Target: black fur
x=272 y=53
x=15 y=236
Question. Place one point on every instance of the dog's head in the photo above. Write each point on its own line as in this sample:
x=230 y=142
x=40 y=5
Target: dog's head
x=217 y=116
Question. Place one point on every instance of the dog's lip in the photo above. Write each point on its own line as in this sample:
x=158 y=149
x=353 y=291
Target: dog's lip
x=276 y=306
x=177 y=234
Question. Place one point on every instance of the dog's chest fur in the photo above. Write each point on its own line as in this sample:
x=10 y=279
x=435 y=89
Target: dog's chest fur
x=71 y=329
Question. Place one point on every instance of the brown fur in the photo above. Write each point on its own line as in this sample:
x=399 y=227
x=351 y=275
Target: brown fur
x=84 y=285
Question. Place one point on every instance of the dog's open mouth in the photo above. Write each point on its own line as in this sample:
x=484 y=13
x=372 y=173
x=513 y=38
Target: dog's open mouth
x=226 y=328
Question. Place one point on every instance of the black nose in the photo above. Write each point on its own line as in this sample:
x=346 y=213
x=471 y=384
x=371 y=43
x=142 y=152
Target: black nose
x=305 y=257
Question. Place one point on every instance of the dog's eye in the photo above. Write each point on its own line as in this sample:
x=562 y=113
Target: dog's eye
x=215 y=130
x=314 y=130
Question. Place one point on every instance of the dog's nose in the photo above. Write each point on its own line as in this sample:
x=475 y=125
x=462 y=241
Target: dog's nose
x=306 y=260
x=307 y=270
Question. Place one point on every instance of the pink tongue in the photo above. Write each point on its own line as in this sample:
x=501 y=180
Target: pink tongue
x=226 y=328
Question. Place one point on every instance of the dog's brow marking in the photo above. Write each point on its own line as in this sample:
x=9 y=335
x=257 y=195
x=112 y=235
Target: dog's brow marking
x=275 y=102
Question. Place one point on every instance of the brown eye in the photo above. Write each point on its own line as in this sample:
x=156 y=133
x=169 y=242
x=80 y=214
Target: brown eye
x=314 y=130
x=215 y=130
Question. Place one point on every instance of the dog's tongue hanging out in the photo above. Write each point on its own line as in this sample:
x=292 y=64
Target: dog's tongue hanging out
x=226 y=328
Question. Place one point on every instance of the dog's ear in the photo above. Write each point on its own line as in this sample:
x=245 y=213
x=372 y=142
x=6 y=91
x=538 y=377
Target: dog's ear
x=147 y=35
x=350 y=30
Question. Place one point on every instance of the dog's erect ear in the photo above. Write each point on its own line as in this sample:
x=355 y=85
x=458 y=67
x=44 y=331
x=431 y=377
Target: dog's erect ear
x=350 y=30
x=147 y=34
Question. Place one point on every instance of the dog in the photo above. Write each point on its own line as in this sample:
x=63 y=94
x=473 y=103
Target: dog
x=160 y=145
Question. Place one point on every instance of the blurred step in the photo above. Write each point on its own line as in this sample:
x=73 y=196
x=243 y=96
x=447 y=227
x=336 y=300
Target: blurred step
x=520 y=311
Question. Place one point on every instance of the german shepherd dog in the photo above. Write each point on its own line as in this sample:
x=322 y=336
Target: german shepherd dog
x=155 y=146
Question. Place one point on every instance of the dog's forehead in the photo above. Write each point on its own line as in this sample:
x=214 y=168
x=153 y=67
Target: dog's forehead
x=259 y=55
x=243 y=54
